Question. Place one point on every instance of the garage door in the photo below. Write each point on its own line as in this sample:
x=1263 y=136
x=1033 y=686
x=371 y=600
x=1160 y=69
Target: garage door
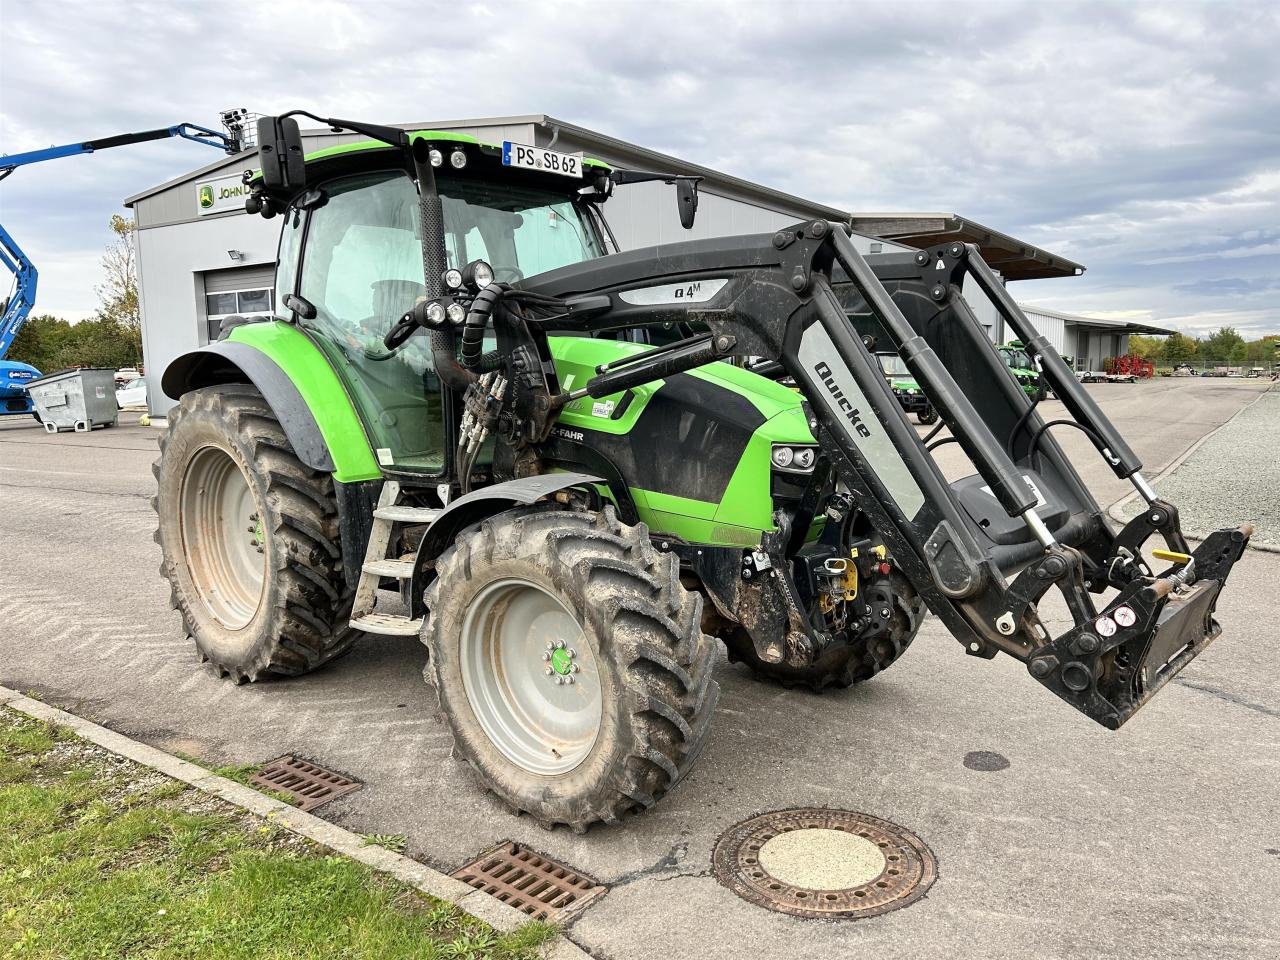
x=244 y=292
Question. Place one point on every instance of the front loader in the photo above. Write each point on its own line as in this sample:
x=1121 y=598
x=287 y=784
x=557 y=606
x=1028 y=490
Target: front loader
x=580 y=469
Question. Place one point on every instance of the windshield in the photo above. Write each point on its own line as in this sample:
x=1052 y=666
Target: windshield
x=519 y=231
x=893 y=365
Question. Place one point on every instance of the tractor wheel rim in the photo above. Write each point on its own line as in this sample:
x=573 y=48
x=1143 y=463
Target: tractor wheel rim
x=225 y=557
x=531 y=677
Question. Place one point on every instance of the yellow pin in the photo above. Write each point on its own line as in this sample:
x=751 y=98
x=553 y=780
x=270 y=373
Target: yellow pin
x=1173 y=556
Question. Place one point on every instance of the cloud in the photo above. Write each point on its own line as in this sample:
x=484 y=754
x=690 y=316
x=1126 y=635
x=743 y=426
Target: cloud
x=1135 y=138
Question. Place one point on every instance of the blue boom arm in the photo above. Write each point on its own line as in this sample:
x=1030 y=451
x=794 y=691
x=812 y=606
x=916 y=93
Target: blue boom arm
x=18 y=306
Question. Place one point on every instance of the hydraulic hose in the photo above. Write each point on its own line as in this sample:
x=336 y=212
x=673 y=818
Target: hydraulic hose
x=444 y=356
x=477 y=322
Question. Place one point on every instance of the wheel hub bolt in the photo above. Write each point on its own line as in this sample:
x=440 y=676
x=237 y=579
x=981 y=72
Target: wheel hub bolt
x=549 y=671
x=546 y=656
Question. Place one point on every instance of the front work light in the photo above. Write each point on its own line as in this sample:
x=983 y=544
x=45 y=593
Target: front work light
x=457 y=314
x=437 y=158
x=458 y=159
x=477 y=274
x=452 y=278
x=436 y=314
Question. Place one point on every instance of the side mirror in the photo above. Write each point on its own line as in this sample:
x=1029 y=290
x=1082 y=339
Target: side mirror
x=280 y=150
x=687 y=200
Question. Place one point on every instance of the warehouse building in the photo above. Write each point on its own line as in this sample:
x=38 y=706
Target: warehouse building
x=1089 y=340
x=201 y=258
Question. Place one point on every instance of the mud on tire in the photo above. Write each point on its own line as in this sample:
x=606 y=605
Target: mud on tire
x=844 y=665
x=642 y=628
x=300 y=618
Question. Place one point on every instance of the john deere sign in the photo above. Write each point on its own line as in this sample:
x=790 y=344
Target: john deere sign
x=222 y=195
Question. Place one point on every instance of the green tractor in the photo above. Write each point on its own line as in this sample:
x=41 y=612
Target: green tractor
x=573 y=473
x=910 y=397
x=1020 y=364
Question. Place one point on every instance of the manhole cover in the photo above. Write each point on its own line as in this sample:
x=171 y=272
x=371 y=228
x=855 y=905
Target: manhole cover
x=310 y=785
x=543 y=888
x=813 y=862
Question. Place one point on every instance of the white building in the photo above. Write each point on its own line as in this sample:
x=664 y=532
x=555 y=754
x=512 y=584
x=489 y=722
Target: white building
x=201 y=258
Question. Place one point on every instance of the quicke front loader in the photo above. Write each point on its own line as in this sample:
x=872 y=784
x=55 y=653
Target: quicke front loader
x=580 y=468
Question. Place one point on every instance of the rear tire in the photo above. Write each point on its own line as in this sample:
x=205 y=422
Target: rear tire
x=270 y=600
x=927 y=417
x=637 y=714
x=843 y=665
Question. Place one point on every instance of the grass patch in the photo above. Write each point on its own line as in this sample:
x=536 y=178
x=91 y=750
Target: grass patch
x=100 y=858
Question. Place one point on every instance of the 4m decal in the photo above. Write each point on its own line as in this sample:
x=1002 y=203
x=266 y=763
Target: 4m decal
x=691 y=291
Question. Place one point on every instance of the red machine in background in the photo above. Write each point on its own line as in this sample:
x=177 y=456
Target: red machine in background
x=1129 y=366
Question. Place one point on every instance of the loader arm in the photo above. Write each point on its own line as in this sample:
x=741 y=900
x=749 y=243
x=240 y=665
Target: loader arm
x=981 y=551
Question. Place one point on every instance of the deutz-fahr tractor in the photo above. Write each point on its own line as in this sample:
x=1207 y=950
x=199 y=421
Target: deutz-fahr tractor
x=573 y=472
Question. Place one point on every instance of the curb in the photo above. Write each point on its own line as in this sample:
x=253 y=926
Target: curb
x=417 y=875
x=1113 y=511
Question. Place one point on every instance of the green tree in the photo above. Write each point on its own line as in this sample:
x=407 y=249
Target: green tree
x=1178 y=348
x=119 y=291
x=38 y=342
x=1221 y=345
x=1148 y=348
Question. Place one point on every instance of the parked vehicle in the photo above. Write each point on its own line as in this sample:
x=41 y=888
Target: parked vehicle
x=905 y=388
x=459 y=398
x=132 y=394
x=1020 y=364
x=14 y=377
x=127 y=375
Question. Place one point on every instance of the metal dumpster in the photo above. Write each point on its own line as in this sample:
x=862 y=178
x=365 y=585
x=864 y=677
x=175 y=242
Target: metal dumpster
x=76 y=400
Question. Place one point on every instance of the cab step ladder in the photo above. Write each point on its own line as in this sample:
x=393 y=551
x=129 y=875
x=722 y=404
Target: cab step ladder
x=378 y=566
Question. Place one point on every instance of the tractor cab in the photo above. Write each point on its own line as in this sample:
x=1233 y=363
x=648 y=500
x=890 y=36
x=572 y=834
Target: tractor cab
x=351 y=263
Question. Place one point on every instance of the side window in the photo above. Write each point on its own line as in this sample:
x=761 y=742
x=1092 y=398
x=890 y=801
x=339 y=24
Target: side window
x=362 y=270
x=287 y=261
x=363 y=266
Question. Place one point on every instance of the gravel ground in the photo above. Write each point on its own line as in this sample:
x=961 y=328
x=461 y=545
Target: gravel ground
x=1233 y=478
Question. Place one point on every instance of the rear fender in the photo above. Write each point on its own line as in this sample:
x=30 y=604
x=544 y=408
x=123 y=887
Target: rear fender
x=476 y=506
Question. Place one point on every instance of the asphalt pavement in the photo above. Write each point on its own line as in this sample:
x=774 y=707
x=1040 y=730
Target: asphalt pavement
x=1161 y=840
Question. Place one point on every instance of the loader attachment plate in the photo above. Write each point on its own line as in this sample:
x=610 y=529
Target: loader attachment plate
x=1109 y=668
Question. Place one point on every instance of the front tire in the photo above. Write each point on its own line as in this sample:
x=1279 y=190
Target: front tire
x=570 y=663
x=249 y=536
x=927 y=416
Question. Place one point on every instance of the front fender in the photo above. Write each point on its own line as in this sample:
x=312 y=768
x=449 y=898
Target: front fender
x=476 y=506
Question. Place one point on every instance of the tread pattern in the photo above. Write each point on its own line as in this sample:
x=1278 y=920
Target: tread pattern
x=631 y=594
x=311 y=602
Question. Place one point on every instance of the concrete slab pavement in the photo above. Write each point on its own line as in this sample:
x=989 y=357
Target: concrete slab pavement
x=1150 y=842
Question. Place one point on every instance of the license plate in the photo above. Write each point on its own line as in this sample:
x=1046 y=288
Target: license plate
x=536 y=158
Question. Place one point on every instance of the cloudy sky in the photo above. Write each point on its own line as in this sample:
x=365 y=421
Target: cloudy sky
x=1141 y=139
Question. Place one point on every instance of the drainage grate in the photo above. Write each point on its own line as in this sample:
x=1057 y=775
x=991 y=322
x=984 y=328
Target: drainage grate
x=814 y=862
x=307 y=783
x=543 y=888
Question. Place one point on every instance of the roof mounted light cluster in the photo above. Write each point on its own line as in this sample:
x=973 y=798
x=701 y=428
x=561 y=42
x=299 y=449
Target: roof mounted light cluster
x=457 y=158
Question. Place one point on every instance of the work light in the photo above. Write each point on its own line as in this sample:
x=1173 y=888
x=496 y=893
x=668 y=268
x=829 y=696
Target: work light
x=458 y=159
x=457 y=314
x=477 y=274
x=437 y=158
x=436 y=314
x=452 y=278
